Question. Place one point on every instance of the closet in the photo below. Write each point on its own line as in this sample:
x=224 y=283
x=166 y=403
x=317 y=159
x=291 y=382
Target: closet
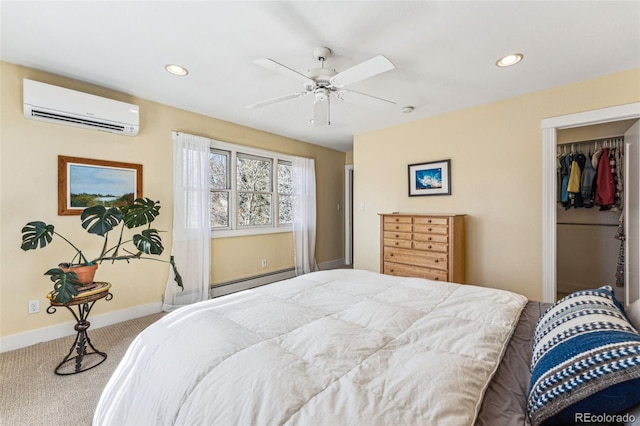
x=590 y=208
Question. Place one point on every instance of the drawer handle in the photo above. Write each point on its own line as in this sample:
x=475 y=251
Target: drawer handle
x=436 y=278
x=429 y=221
x=429 y=229
x=435 y=261
x=397 y=227
x=390 y=254
x=429 y=246
x=397 y=243
x=397 y=220
x=397 y=235
x=430 y=239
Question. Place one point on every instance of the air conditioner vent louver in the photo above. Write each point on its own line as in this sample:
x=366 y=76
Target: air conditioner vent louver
x=59 y=117
x=59 y=105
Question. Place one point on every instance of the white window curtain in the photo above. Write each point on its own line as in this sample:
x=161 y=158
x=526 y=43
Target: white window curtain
x=191 y=216
x=304 y=214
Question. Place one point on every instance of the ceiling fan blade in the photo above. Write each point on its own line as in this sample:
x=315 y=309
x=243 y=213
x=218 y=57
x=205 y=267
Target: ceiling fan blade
x=321 y=112
x=358 y=98
x=363 y=70
x=278 y=99
x=272 y=65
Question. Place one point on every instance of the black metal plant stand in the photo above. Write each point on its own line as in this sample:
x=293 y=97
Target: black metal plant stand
x=84 y=303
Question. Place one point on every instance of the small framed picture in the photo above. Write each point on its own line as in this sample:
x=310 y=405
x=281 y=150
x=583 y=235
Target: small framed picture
x=432 y=178
x=85 y=182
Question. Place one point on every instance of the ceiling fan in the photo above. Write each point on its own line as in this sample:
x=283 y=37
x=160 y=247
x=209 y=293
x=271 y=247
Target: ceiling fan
x=323 y=82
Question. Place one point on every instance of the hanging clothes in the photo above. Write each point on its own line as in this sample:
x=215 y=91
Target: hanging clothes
x=620 y=265
x=595 y=159
x=565 y=171
x=593 y=179
x=605 y=186
x=574 y=177
x=619 y=160
x=578 y=161
x=559 y=175
x=587 y=187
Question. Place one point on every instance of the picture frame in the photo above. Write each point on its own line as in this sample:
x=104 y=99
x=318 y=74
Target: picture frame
x=431 y=178
x=85 y=182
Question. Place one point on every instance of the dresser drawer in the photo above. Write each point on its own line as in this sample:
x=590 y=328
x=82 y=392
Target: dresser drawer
x=431 y=221
x=431 y=229
x=397 y=219
x=398 y=269
x=392 y=242
x=436 y=238
x=416 y=257
x=430 y=246
x=397 y=235
x=400 y=227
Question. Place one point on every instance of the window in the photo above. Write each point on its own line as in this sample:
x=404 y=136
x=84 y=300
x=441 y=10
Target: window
x=255 y=190
x=285 y=192
x=251 y=190
x=220 y=188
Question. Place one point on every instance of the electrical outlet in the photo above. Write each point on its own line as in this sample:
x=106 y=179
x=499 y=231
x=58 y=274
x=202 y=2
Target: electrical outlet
x=264 y=263
x=34 y=306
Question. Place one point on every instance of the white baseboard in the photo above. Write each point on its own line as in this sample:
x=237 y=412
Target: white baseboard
x=21 y=340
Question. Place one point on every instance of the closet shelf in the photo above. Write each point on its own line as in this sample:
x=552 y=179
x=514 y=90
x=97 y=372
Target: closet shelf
x=588 y=224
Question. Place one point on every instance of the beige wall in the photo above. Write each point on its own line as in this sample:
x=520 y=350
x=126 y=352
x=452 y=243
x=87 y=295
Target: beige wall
x=496 y=177
x=28 y=190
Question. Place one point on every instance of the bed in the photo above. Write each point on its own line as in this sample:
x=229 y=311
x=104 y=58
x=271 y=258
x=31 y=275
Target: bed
x=332 y=347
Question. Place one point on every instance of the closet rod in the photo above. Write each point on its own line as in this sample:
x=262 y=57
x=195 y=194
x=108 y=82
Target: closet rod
x=607 y=139
x=587 y=224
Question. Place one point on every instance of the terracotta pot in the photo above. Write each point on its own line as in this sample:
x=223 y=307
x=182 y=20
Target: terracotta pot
x=85 y=273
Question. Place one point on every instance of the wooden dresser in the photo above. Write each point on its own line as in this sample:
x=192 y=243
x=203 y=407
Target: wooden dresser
x=423 y=245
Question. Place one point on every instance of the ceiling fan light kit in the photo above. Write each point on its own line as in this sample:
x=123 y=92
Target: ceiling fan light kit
x=323 y=82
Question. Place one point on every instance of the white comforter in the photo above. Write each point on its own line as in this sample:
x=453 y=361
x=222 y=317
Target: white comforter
x=341 y=347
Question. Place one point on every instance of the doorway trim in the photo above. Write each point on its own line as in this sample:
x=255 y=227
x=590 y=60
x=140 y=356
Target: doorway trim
x=549 y=194
x=348 y=214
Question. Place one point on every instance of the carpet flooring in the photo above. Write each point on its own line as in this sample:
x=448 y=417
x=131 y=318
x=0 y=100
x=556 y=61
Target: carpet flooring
x=31 y=394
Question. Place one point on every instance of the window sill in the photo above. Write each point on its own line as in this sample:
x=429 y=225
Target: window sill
x=229 y=233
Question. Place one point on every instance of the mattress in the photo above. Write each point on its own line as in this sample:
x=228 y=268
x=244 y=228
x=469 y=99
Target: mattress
x=332 y=347
x=505 y=401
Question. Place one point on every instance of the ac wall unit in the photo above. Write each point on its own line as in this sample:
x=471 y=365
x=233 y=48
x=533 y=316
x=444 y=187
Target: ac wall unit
x=55 y=104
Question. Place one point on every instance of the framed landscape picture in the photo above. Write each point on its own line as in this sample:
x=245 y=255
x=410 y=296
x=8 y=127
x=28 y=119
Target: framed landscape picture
x=432 y=178
x=85 y=182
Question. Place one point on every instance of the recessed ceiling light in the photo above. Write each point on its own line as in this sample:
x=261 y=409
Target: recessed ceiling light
x=407 y=110
x=509 y=60
x=176 y=69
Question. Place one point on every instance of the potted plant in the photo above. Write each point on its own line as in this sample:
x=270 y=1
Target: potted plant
x=101 y=220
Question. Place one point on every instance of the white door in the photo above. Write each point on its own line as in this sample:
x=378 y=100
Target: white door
x=632 y=213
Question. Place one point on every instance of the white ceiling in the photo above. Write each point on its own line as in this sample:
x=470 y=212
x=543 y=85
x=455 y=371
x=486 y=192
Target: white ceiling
x=444 y=52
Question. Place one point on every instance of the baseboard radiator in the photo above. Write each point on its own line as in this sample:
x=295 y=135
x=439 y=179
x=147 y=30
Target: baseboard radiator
x=229 y=287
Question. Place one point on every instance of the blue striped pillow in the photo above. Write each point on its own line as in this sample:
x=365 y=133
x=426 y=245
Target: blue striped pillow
x=586 y=360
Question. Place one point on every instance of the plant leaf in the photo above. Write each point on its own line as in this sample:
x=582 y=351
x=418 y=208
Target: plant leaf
x=98 y=220
x=36 y=234
x=64 y=284
x=149 y=242
x=141 y=212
